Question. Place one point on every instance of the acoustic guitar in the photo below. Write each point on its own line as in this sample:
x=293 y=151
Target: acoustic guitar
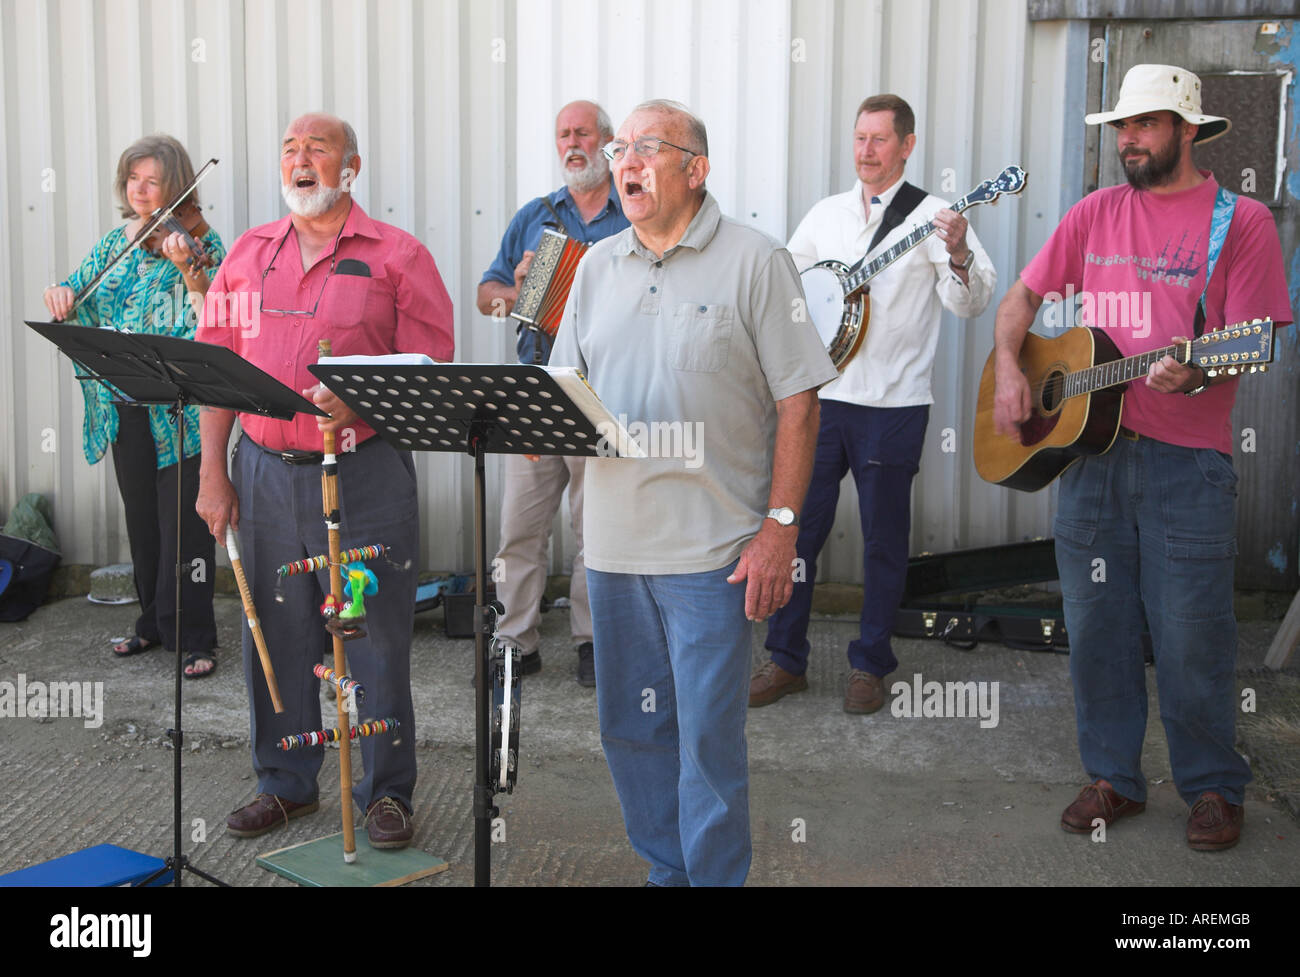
x=1076 y=384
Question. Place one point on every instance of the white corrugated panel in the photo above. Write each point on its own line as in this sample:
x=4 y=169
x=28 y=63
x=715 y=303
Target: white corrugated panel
x=454 y=104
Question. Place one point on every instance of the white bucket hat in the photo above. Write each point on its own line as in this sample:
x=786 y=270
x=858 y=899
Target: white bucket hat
x=1163 y=87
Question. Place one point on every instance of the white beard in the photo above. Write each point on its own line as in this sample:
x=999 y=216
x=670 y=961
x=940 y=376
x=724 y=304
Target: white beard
x=590 y=176
x=310 y=202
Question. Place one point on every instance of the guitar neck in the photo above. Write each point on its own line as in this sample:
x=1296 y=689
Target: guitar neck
x=1116 y=372
x=860 y=276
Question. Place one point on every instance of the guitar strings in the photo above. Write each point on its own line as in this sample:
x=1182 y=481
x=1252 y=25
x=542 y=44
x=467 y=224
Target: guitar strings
x=1059 y=379
x=1056 y=382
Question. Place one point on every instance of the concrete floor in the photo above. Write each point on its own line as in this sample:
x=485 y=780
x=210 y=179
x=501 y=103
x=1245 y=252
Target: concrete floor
x=882 y=799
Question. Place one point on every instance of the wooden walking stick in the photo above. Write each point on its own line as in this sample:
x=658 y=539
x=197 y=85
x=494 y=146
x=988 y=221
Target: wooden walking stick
x=329 y=485
x=254 y=625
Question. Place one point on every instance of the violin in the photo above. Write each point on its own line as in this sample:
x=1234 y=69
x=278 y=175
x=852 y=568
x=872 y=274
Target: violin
x=158 y=222
x=187 y=221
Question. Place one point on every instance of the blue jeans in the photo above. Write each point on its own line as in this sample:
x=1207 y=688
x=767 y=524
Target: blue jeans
x=1149 y=528
x=672 y=678
x=882 y=447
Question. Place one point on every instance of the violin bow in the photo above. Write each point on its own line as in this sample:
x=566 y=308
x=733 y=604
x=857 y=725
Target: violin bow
x=158 y=216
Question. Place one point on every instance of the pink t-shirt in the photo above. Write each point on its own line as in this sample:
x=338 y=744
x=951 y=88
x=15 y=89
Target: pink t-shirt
x=1137 y=261
x=385 y=296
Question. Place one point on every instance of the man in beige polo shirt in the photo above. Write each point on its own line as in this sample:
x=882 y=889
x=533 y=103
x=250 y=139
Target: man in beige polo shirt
x=685 y=324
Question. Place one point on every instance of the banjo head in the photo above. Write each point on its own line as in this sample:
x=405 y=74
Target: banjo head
x=838 y=323
x=825 y=296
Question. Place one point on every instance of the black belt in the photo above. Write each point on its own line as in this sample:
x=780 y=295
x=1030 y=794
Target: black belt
x=1131 y=435
x=293 y=456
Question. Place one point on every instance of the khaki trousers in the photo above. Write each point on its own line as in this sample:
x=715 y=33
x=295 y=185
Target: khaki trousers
x=530 y=500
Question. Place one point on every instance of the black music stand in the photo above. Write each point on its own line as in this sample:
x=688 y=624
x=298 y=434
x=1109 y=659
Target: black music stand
x=146 y=369
x=476 y=408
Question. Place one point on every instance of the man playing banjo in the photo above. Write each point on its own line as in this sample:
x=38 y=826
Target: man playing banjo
x=873 y=418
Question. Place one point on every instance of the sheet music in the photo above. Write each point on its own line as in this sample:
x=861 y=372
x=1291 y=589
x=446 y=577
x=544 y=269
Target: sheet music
x=573 y=383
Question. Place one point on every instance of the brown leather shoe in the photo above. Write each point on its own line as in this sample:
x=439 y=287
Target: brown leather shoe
x=1214 y=824
x=865 y=694
x=1098 y=800
x=771 y=682
x=388 y=824
x=264 y=812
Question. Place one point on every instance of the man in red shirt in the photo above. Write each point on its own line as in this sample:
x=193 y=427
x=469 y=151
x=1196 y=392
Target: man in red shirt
x=327 y=271
x=1147 y=529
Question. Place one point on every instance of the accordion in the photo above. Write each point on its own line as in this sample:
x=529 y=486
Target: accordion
x=545 y=288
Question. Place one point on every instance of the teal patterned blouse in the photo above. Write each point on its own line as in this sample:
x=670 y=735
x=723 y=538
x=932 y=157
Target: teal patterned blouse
x=143 y=294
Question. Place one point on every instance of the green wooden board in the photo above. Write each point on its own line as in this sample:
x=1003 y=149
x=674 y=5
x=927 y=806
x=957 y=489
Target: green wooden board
x=320 y=863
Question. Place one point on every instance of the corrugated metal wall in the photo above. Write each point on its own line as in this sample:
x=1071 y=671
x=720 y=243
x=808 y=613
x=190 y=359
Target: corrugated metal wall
x=454 y=104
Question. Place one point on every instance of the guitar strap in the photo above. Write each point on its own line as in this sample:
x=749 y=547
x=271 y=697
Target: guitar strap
x=1225 y=203
x=906 y=200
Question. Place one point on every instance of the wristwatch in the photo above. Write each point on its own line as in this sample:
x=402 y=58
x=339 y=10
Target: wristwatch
x=785 y=516
x=965 y=265
x=1205 y=382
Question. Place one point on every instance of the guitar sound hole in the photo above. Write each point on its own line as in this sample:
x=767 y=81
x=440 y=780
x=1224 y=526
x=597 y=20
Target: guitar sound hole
x=1051 y=398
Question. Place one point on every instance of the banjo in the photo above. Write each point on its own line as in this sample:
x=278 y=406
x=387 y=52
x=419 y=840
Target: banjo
x=837 y=297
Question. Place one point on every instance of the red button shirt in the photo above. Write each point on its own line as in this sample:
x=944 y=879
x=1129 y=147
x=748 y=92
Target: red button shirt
x=402 y=306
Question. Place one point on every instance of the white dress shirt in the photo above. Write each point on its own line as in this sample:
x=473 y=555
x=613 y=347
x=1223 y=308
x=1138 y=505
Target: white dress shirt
x=894 y=364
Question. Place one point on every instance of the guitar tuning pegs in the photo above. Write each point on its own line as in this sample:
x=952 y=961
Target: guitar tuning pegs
x=1263 y=367
x=1211 y=373
x=1232 y=371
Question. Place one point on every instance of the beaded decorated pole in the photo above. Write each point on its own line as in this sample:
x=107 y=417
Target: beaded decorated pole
x=375 y=727
x=329 y=487
x=343 y=618
x=312 y=564
x=343 y=683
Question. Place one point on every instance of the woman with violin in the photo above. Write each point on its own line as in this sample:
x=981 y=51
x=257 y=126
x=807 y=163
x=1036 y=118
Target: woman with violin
x=156 y=289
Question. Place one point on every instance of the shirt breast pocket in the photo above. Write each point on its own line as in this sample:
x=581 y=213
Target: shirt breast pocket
x=347 y=304
x=701 y=337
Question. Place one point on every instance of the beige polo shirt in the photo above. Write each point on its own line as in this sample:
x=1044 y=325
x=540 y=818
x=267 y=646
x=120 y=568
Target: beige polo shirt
x=691 y=352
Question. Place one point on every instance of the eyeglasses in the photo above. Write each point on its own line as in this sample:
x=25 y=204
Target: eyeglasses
x=334 y=260
x=646 y=147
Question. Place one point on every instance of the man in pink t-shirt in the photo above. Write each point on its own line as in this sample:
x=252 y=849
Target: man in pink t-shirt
x=327 y=271
x=1147 y=529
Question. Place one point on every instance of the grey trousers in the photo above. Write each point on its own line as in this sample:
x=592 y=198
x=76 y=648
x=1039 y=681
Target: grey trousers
x=531 y=495
x=281 y=520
